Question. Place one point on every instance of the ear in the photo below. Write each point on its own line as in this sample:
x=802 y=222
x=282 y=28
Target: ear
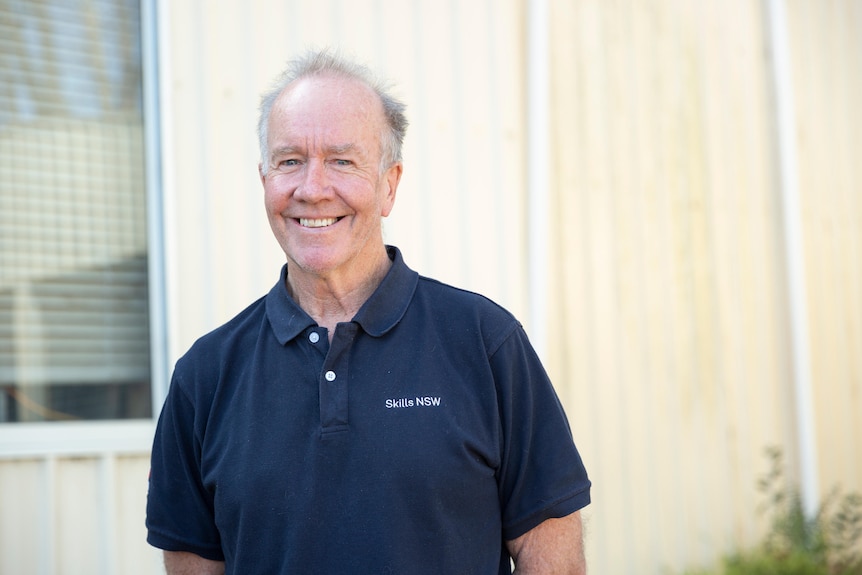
x=391 y=179
x=261 y=174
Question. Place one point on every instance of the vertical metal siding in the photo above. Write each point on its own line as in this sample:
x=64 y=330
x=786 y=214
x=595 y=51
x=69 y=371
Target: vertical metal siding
x=826 y=41
x=673 y=349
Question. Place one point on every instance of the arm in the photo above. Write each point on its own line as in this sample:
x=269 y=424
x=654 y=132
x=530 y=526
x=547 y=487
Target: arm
x=182 y=563
x=554 y=547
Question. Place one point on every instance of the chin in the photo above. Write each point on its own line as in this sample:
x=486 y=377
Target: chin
x=316 y=263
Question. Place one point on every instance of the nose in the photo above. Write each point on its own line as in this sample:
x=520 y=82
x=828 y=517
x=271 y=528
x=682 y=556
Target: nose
x=314 y=184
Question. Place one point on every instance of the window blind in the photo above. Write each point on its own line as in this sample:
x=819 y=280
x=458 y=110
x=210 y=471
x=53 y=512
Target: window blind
x=74 y=335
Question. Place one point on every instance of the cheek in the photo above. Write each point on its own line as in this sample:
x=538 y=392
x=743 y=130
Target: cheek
x=268 y=202
x=273 y=200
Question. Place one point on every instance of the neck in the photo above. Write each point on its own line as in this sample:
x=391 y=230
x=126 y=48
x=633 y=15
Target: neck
x=331 y=299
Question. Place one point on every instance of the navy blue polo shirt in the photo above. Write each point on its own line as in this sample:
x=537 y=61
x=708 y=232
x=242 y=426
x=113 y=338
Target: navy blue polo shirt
x=424 y=436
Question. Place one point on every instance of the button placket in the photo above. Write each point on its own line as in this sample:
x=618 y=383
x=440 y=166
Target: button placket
x=333 y=380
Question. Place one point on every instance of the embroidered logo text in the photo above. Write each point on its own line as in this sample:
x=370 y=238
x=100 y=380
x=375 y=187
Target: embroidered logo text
x=425 y=401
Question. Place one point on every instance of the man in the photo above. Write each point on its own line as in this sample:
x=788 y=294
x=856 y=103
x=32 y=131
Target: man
x=359 y=418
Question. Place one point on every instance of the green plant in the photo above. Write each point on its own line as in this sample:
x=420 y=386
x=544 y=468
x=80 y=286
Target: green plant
x=829 y=543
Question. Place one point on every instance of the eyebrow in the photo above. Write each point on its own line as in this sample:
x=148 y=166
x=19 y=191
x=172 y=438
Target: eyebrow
x=284 y=150
x=341 y=149
x=335 y=149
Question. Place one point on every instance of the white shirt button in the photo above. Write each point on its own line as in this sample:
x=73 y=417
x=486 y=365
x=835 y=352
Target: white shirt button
x=329 y=375
x=314 y=337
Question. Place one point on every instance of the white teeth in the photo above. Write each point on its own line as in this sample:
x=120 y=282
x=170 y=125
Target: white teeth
x=317 y=223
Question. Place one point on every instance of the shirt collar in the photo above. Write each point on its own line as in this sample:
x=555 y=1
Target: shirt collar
x=379 y=314
x=287 y=319
x=389 y=302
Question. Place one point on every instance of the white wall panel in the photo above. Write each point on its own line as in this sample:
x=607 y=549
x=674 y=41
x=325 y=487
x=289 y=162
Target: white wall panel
x=23 y=500
x=75 y=515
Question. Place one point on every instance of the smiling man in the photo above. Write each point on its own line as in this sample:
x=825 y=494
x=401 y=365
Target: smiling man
x=326 y=188
x=359 y=418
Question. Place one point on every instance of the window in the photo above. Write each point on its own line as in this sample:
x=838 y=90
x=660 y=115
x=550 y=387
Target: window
x=74 y=319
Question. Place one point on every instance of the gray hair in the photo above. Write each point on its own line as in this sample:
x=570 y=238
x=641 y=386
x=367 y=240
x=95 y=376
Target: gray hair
x=323 y=62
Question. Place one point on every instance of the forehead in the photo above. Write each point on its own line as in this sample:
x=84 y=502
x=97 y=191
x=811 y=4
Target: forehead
x=326 y=110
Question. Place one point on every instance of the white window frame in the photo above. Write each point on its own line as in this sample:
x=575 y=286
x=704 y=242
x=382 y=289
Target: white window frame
x=33 y=440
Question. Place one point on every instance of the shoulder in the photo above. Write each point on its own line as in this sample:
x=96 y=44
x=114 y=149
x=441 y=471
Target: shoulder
x=458 y=299
x=460 y=309
x=237 y=334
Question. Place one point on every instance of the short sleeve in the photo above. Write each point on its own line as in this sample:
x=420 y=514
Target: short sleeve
x=180 y=512
x=541 y=475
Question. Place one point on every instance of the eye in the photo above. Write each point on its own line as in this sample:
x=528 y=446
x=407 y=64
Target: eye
x=288 y=164
x=342 y=162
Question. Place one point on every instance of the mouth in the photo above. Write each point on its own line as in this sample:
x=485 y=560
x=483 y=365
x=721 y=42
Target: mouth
x=317 y=222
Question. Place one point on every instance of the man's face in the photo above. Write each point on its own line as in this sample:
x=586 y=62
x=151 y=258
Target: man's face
x=323 y=190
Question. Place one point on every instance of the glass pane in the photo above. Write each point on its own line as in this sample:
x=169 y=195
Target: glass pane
x=74 y=327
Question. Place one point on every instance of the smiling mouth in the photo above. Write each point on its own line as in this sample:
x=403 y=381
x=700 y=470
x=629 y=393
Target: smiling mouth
x=317 y=222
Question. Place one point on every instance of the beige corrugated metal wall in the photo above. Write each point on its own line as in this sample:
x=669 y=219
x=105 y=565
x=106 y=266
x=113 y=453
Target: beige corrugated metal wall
x=827 y=46
x=673 y=334
x=668 y=312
